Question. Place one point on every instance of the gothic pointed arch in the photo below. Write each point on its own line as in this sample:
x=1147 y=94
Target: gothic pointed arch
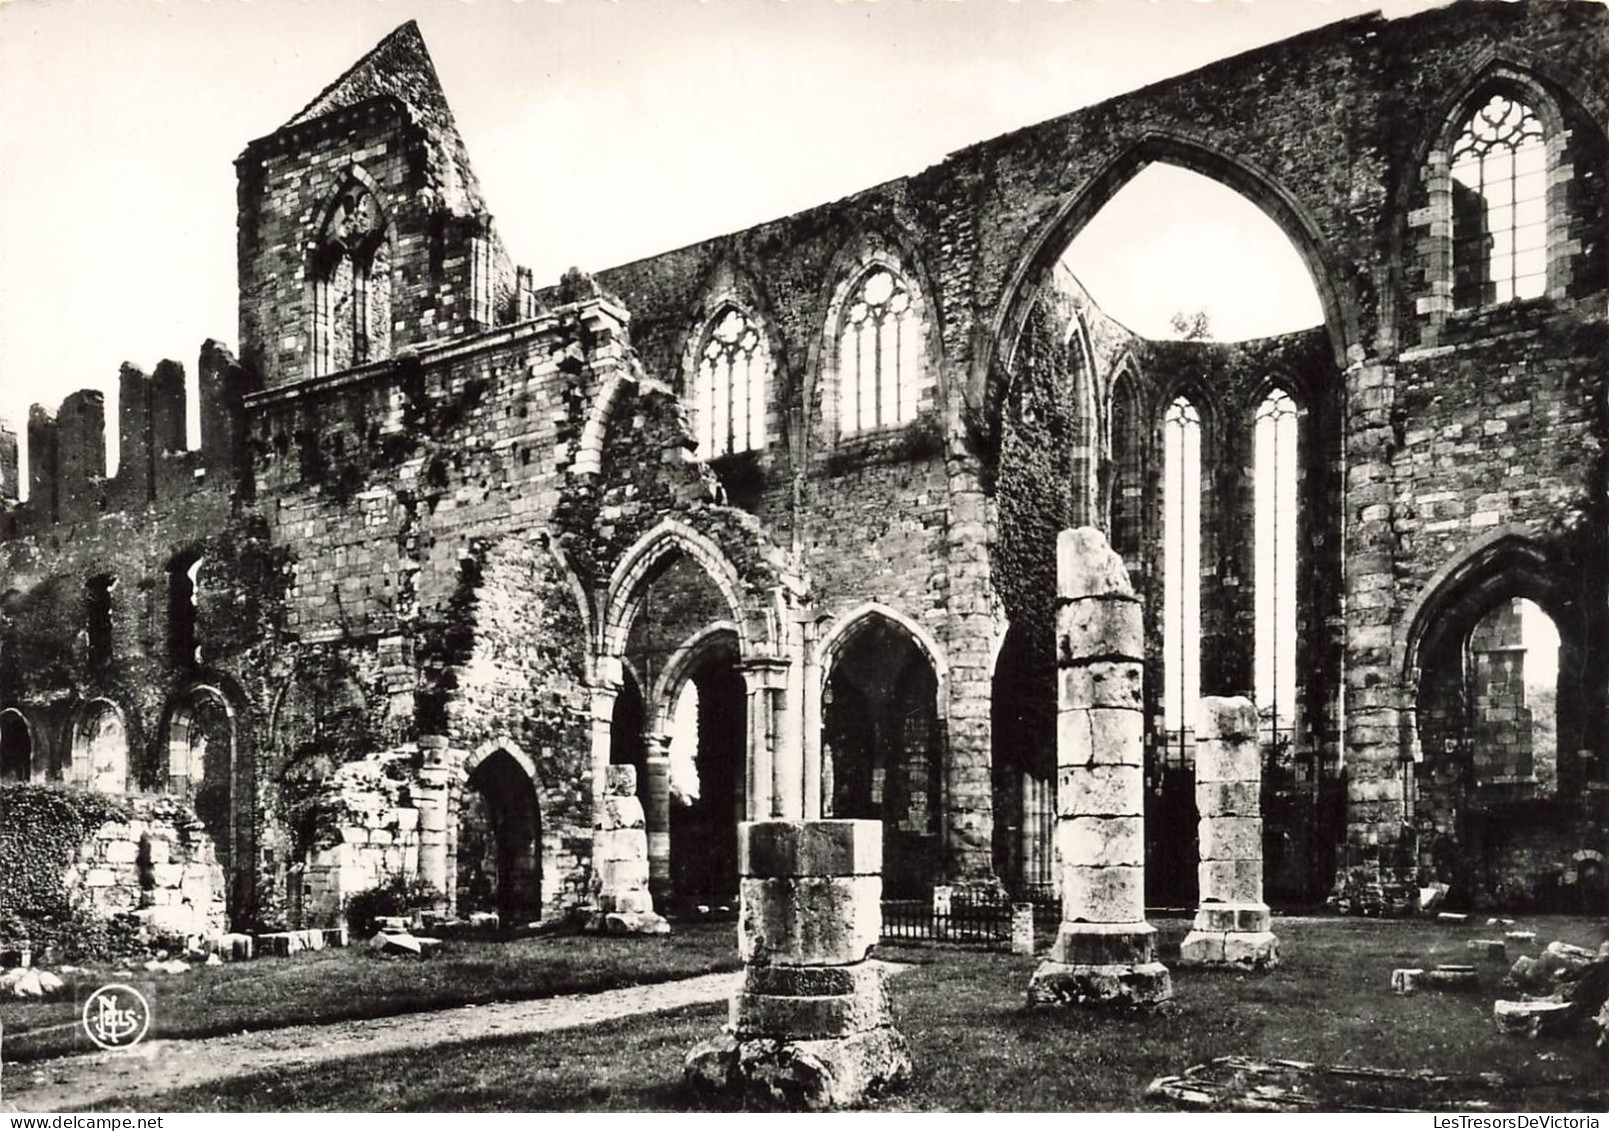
x=1041 y=250
x=349 y=268
x=877 y=365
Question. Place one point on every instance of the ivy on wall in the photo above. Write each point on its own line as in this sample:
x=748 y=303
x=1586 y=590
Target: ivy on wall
x=41 y=828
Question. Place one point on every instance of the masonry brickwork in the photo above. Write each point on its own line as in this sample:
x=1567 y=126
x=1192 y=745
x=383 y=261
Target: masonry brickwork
x=445 y=521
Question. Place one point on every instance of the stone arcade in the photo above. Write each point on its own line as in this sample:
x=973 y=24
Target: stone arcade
x=771 y=519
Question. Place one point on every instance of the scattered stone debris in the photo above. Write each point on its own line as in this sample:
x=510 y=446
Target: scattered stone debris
x=1406 y=980
x=1430 y=897
x=1561 y=990
x=1452 y=977
x=28 y=981
x=1238 y=1083
x=1493 y=949
x=1451 y=917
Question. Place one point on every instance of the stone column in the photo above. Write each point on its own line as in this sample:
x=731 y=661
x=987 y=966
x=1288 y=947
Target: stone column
x=773 y=781
x=605 y=689
x=1231 y=927
x=620 y=861
x=656 y=812
x=811 y=1027
x=432 y=800
x=1105 y=951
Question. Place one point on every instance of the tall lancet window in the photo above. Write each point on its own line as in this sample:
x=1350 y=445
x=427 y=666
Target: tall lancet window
x=351 y=285
x=1181 y=569
x=1500 y=209
x=1276 y=531
x=878 y=355
x=730 y=393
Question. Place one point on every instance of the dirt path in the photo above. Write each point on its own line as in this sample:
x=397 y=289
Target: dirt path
x=159 y=1066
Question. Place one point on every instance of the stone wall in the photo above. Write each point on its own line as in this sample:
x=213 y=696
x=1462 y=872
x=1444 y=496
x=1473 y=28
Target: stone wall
x=159 y=865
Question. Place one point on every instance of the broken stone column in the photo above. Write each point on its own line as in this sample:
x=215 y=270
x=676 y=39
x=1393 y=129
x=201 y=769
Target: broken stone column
x=620 y=861
x=1232 y=921
x=1105 y=951
x=811 y=1027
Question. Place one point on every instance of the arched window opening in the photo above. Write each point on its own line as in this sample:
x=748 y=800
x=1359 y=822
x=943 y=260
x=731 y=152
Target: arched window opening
x=98 y=619
x=730 y=394
x=16 y=747
x=1181 y=577
x=881 y=757
x=1276 y=535
x=100 y=749
x=352 y=285
x=1127 y=522
x=1499 y=200
x=878 y=355
x=183 y=591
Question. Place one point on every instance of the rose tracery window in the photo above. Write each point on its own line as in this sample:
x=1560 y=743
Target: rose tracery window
x=878 y=355
x=1499 y=202
x=729 y=400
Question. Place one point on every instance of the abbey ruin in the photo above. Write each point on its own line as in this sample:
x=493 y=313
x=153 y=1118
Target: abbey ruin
x=772 y=518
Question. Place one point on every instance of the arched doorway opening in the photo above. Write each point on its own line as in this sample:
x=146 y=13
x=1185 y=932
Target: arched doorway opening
x=1023 y=707
x=201 y=766
x=881 y=749
x=708 y=753
x=16 y=747
x=500 y=842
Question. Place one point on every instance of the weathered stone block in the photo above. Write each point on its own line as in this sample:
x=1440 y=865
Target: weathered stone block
x=1231 y=881
x=1099 y=628
x=1122 y=986
x=1222 y=917
x=1233 y=719
x=1100 y=841
x=804 y=1018
x=1251 y=950
x=815 y=981
x=1405 y=981
x=620 y=781
x=1494 y=949
x=1087 y=566
x=1099 y=791
x=622 y=813
x=1103 y=683
x=1531 y=1018
x=1100 y=736
x=810 y=848
x=616 y=876
x=1230 y=838
x=1228 y=799
x=1219 y=761
x=619 y=844
x=1103 y=895
x=1104 y=944
x=800 y=1075
x=809 y=921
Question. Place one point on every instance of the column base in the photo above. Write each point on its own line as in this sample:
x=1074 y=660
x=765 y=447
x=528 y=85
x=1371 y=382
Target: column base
x=1116 y=986
x=800 y=1075
x=1238 y=950
x=627 y=923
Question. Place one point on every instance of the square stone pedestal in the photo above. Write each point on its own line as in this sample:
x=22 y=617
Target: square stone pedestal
x=1229 y=935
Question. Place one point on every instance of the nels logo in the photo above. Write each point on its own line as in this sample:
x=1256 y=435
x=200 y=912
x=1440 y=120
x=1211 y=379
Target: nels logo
x=116 y=1016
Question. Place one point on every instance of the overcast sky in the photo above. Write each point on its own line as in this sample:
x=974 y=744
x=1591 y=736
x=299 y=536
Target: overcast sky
x=601 y=131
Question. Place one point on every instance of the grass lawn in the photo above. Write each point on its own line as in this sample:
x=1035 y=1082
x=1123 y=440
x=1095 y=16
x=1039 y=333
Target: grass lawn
x=977 y=1048
x=356 y=983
